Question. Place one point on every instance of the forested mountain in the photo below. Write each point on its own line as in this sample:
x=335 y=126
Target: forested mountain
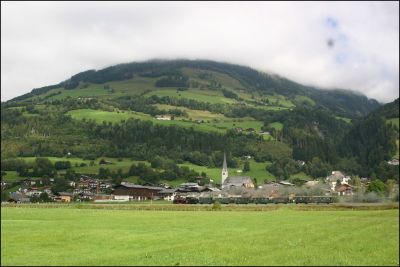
x=191 y=112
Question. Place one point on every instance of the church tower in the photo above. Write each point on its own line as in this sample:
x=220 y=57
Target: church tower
x=224 y=173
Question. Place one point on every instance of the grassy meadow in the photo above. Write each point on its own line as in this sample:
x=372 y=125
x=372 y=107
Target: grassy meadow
x=71 y=236
x=211 y=123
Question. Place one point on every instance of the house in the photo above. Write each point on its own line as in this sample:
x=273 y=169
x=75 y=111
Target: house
x=286 y=183
x=137 y=192
x=18 y=197
x=104 y=162
x=345 y=190
x=334 y=177
x=167 y=194
x=3 y=185
x=238 y=181
x=301 y=163
x=264 y=133
x=163 y=117
x=271 y=187
x=85 y=196
x=63 y=197
x=32 y=191
x=102 y=198
x=394 y=162
x=190 y=187
x=121 y=198
x=311 y=183
x=250 y=130
x=28 y=182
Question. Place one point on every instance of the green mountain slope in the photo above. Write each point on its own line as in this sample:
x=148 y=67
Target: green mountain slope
x=246 y=83
x=182 y=113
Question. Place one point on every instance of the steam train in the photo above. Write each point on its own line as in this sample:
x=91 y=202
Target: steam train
x=256 y=200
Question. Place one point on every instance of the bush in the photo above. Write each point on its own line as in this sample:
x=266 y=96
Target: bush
x=216 y=205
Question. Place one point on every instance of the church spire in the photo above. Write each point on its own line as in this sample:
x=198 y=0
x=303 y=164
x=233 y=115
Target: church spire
x=224 y=166
x=224 y=173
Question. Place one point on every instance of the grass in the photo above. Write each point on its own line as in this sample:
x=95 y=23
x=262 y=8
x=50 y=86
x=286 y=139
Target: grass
x=100 y=115
x=343 y=119
x=224 y=79
x=394 y=121
x=210 y=96
x=124 y=164
x=220 y=125
x=301 y=100
x=12 y=176
x=194 y=114
x=277 y=125
x=40 y=236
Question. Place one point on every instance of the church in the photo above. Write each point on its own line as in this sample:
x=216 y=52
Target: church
x=234 y=181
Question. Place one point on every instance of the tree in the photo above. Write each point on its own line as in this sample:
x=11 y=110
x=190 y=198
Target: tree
x=376 y=186
x=43 y=166
x=62 y=165
x=246 y=166
x=390 y=185
x=44 y=197
x=60 y=185
x=317 y=168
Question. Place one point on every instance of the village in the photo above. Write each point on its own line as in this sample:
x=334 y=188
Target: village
x=233 y=189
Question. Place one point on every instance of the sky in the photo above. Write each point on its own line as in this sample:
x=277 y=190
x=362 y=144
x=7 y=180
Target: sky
x=348 y=45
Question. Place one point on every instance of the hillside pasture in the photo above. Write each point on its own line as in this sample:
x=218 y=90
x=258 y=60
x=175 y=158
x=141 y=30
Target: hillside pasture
x=113 y=237
x=215 y=125
x=210 y=96
x=277 y=125
x=222 y=78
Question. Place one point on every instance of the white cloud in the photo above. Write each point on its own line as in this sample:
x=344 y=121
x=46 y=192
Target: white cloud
x=44 y=43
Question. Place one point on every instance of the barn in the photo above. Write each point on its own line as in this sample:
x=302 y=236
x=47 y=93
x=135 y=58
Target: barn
x=138 y=192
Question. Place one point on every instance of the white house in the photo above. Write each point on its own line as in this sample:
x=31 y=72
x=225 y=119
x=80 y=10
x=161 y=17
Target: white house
x=163 y=117
x=335 y=176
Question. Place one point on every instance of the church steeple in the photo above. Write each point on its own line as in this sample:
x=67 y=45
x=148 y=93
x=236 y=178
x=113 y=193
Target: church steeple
x=224 y=173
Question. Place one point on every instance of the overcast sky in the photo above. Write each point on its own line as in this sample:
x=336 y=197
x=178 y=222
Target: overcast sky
x=350 y=45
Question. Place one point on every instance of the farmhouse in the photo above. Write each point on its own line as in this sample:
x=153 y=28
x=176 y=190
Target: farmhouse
x=334 y=177
x=167 y=194
x=137 y=192
x=163 y=117
x=63 y=197
x=345 y=190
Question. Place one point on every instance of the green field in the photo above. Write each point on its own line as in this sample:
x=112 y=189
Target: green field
x=210 y=96
x=71 y=236
x=343 y=119
x=394 y=121
x=11 y=176
x=220 y=126
x=257 y=170
x=277 y=125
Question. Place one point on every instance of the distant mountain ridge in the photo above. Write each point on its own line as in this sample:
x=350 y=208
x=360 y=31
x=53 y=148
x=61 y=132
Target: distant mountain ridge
x=343 y=102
